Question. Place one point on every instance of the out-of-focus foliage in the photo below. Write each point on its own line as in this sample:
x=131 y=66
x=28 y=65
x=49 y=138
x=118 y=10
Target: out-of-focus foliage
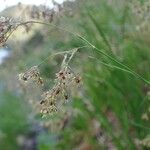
x=108 y=112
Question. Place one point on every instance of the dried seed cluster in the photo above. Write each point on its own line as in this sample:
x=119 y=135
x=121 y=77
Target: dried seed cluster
x=65 y=80
x=32 y=74
x=6 y=26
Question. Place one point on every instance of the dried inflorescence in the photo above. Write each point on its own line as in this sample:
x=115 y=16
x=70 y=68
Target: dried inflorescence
x=64 y=82
x=7 y=25
x=31 y=74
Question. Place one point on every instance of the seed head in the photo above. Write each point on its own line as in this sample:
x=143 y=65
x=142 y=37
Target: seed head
x=31 y=74
x=6 y=26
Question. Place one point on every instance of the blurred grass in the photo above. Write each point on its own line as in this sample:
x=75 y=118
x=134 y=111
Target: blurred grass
x=13 y=119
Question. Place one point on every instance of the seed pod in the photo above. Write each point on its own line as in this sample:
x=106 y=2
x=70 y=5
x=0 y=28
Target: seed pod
x=77 y=79
x=57 y=91
x=42 y=102
x=66 y=96
x=23 y=77
x=40 y=81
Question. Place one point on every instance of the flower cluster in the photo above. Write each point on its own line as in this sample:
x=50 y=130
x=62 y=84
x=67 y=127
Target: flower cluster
x=32 y=74
x=65 y=79
x=6 y=26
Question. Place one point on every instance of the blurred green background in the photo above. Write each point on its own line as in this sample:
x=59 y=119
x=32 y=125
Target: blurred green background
x=111 y=110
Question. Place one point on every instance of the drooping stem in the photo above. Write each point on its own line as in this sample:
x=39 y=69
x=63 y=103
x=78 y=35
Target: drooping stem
x=116 y=61
x=92 y=46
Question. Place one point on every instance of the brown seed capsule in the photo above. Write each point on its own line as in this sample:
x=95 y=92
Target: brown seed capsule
x=24 y=78
x=63 y=77
x=66 y=96
x=77 y=79
x=42 y=102
x=57 y=91
x=51 y=103
x=61 y=73
x=40 y=81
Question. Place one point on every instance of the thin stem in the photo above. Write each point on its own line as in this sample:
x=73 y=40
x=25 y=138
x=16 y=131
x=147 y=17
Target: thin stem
x=60 y=53
x=72 y=54
x=111 y=66
x=116 y=61
x=47 y=24
x=90 y=44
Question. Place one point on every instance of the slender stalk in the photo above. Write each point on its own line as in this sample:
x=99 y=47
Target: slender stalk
x=111 y=66
x=90 y=44
x=60 y=53
x=115 y=60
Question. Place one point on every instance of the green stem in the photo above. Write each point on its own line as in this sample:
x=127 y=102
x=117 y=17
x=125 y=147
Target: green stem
x=61 y=53
x=115 y=60
x=94 y=47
